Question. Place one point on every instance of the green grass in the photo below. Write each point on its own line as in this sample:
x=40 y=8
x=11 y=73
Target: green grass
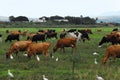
x=85 y=69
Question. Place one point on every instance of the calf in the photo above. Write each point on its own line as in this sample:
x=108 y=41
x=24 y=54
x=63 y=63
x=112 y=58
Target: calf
x=38 y=48
x=18 y=46
x=11 y=37
x=65 y=42
x=111 y=51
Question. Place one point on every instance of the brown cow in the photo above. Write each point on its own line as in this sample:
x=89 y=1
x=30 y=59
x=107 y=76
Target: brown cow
x=111 y=51
x=14 y=32
x=18 y=46
x=65 y=42
x=19 y=33
x=38 y=48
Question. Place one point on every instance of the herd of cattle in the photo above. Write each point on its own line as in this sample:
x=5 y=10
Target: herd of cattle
x=67 y=38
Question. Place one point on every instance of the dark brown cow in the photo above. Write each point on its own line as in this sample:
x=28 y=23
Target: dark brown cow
x=111 y=51
x=65 y=42
x=18 y=46
x=38 y=48
x=113 y=37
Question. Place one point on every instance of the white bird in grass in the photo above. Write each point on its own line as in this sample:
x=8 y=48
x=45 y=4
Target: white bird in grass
x=44 y=78
x=95 y=61
x=99 y=46
x=57 y=59
x=10 y=74
x=11 y=57
x=99 y=77
x=37 y=58
x=95 y=53
x=52 y=57
x=25 y=55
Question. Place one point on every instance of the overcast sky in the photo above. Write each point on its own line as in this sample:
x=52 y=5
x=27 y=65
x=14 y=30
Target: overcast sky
x=38 y=8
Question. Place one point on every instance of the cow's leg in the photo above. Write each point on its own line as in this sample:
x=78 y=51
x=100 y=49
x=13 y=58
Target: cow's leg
x=114 y=58
x=46 y=53
x=56 y=37
x=104 y=60
x=63 y=49
x=83 y=40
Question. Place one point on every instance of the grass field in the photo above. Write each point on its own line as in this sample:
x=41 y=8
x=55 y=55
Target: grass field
x=85 y=69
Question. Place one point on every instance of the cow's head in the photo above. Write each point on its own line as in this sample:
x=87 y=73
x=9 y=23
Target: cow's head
x=104 y=40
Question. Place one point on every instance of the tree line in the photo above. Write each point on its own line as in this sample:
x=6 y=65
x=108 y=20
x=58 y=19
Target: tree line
x=67 y=19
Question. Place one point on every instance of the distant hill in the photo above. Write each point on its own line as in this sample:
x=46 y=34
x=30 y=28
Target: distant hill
x=115 y=19
x=4 y=19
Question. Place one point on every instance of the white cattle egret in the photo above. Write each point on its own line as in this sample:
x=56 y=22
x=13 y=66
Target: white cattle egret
x=99 y=77
x=52 y=57
x=57 y=59
x=95 y=61
x=10 y=74
x=25 y=55
x=99 y=46
x=44 y=78
x=11 y=57
x=37 y=58
x=95 y=53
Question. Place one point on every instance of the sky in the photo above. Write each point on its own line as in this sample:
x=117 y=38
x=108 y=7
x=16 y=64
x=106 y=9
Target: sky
x=39 y=8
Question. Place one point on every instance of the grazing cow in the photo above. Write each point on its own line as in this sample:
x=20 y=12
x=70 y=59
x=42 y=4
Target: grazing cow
x=11 y=37
x=19 y=32
x=18 y=46
x=111 y=51
x=15 y=32
x=79 y=35
x=51 y=35
x=65 y=42
x=113 y=37
x=0 y=37
x=38 y=48
x=38 y=37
